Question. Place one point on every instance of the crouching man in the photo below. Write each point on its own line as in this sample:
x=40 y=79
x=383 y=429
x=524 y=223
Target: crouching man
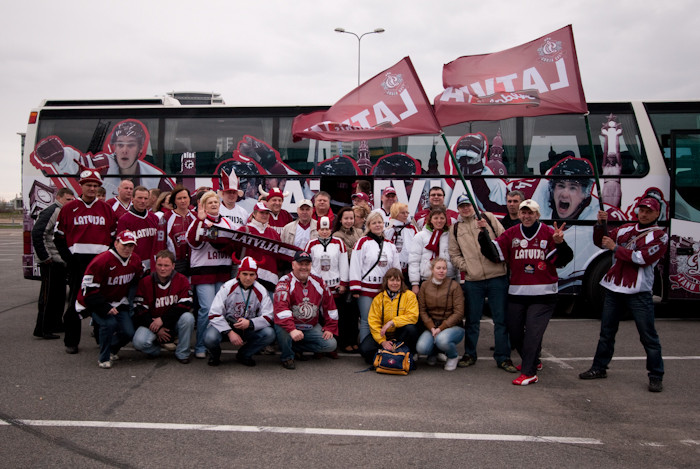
x=241 y=313
x=302 y=304
x=163 y=306
x=104 y=293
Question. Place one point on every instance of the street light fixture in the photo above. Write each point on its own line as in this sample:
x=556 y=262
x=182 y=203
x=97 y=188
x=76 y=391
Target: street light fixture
x=359 y=39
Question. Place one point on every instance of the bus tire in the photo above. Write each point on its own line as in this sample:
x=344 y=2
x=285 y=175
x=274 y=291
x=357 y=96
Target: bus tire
x=594 y=293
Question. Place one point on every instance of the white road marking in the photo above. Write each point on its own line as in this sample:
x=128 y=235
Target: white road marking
x=308 y=431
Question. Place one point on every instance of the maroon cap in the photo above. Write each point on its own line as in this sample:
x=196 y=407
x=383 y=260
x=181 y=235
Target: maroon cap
x=651 y=203
x=90 y=175
x=361 y=196
x=389 y=190
x=126 y=237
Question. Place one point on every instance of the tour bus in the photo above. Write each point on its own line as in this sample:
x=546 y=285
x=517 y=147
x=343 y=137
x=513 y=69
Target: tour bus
x=641 y=149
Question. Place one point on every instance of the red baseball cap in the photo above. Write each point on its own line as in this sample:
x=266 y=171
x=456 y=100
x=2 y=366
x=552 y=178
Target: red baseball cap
x=126 y=237
x=651 y=203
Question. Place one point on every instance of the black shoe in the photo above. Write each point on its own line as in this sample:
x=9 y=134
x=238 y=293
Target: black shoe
x=656 y=385
x=185 y=360
x=508 y=366
x=245 y=360
x=71 y=350
x=593 y=374
x=467 y=360
x=214 y=361
x=301 y=357
x=289 y=365
x=50 y=336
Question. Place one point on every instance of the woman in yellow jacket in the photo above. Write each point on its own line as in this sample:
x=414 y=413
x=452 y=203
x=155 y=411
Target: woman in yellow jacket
x=392 y=315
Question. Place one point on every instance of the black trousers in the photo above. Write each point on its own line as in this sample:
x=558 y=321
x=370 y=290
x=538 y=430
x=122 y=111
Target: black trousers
x=526 y=322
x=52 y=298
x=407 y=334
x=71 y=320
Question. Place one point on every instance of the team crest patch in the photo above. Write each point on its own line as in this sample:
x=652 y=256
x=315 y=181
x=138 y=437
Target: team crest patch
x=515 y=243
x=529 y=269
x=543 y=244
x=542 y=265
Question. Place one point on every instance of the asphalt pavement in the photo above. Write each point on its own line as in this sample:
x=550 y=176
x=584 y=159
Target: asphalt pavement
x=60 y=410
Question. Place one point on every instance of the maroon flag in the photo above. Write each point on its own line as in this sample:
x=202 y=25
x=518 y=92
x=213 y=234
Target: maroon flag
x=391 y=104
x=534 y=79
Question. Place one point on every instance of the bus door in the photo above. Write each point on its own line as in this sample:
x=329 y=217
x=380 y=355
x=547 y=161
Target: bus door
x=684 y=248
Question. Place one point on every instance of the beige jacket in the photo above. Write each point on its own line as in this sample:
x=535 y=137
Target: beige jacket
x=465 y=252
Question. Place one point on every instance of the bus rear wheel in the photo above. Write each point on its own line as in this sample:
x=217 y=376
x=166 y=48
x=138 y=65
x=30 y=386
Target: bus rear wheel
x=594 y=293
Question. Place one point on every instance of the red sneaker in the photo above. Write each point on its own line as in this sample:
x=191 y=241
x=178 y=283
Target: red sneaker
x=539 y=366
x=524 y=380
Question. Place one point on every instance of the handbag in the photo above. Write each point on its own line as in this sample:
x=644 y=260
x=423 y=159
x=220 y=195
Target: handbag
x=394 y=362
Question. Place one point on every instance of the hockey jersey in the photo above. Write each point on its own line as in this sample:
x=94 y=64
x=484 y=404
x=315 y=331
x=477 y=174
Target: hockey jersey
x=637 y=253
x=300 y=306
x=87 y=228
x=210 y=259
x=107 y=281
x=369 y=263
x=531 y=260
x=167 y=301
x=329 y=260
x=233 y=302
x=237 y=215
x=145 y=227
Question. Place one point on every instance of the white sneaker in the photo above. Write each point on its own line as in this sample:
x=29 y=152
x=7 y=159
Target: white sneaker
x=442 y=358
x=200 y=355
x=169 y=346
x=105 y=365
x=451 y=364
x=113 y=357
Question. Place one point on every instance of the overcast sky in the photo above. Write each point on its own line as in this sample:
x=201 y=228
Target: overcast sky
x=286 y=52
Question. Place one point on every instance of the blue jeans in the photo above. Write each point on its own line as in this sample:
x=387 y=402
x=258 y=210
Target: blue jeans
x=642 y=307
x=363 y=304
x=205 y=296
x=254 y=341
x=446 y=341
x=312 y=342
x=115 y=331
x=147 y=342
x=496 y=290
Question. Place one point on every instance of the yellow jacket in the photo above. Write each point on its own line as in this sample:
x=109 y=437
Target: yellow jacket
x=402 y=314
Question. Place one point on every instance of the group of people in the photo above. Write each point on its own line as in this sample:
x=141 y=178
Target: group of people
x=360 y=280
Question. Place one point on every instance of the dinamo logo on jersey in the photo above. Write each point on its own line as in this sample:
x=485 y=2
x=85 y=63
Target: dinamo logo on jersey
x=304 y=311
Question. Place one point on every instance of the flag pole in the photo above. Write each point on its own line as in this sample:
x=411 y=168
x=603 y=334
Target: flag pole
x=594 y=160
x=461 y=176
x=595 y=169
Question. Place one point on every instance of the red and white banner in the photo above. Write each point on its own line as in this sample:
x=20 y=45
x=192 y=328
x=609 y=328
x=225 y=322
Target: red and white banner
x=391 y=104
x=534 y=79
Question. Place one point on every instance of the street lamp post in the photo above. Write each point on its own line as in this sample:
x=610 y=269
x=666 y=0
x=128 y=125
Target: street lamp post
x=359 y=40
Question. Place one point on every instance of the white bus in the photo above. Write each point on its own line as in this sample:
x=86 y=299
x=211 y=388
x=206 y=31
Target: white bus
x=642 y=148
